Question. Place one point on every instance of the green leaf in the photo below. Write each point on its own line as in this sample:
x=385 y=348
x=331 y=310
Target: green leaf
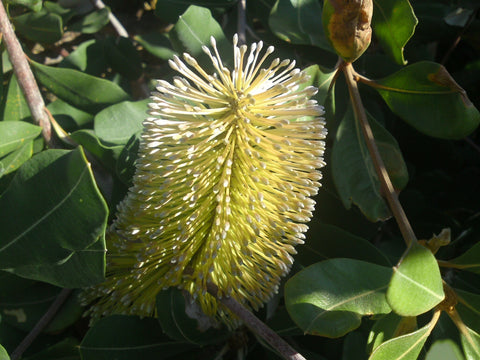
x=416 y=285
x=468 y=308
x=353 y=171
x=3 y=354
x=471 y=344
x=193 y=30
x=328 y=241
x=58 y=210
x=69 y=117
x=66 y=349
x=393 y=23
x=170 y=10
x=299 y=22
x=92 y=22
x=354 y=347
x=329 y=298
x=116 y=124
x=470 y=259
x=128 y=337
x=125 y=168
x=64 y=13
x=15 y=134
x=123 y=57
x=405 y=347
x=85 y=92
x=14 y=160
x=321 y=80
x=42 y=26
x=389 y=327
x=428 y=98
x=35 y=5
x=444 y=350
x=156 y=44
x=89 y=57
x=173 y=314
x=16 y=107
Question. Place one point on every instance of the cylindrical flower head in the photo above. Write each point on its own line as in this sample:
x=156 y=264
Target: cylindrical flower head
x=221 y=194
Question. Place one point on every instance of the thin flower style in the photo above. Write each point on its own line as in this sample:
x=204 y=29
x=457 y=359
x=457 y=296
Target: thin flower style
x=226 y=166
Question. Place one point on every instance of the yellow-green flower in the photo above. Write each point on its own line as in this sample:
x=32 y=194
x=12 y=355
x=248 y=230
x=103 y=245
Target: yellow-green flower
x=226 y=168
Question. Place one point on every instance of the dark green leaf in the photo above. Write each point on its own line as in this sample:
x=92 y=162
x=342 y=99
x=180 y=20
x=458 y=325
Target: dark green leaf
x=299 y=22
x=65 y=14
x=469 y=260
x=16 y=107
x=194 y=29
x=471 y=344
x=353 y=171
x=58 y=210
x=405 y=347
x=92 y=22
x=389 y=327
x=88 y=57
x=80 y=90
x=468 y=308
x=128 y=337
x=126 y=160
x=42 y=26
x=444 y=350
x=69 y=117
x=123 y=57
x=66 y=349
x=35 y=5
x=15 y=134
x=116 y=124
x=354 y=347
x=428 y=98
x=327 y=241
x=157 y=44
x=416 y=285
x=14 y=160
x=170 y=10
x=172 y=312
x=329 y=298
x=393 y=23
x=321 y=80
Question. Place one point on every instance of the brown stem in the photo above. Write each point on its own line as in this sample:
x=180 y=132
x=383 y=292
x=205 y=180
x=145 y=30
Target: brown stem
x=242 y=22
x=257 y=326
x=41 y=324
x=25 y=78
x=386 y=185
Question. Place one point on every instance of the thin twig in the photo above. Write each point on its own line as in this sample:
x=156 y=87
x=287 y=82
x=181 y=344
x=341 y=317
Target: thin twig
x=41 y=324
x=25 y=77
x=386 y=185
x=242 y=22
x=257 y=326
x=117 y=25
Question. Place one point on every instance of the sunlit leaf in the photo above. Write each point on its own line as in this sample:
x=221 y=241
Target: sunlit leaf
x=416 y=285
x=329 y=298
x=15 y=134
x=444 y=350
x=14 y=160
x=16 y=107
x=471 y=344
x=389 y=327
x=393 y=23
x=3 y=354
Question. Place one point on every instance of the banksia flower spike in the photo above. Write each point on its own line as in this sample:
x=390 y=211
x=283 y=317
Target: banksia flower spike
x=226 y=166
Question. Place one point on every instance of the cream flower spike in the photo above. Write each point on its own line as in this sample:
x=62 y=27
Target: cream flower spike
x=227 y=165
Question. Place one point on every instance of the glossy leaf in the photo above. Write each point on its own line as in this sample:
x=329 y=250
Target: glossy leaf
x=14 y=160
x=15 y=134
x=416 y=285
x=109 y=339
x=471 y=344
x=116 y=124
x=156 y=44
x=123 y=57
x=194 y=29
x=298 y=22
x=444 y=350
x=428 y=98
x=328 y=241
x=42 y=26
x=80 y=90
x=175 y=316
x=469 y=260
x=389 y=327
x=92 y=22
x=16 y=107
x=468 y=308
x=321 y=80
x=353 y=171
x=405 y=347
x=393 y=23
x=3 y=354
x=329 y=298
x=58 y=210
